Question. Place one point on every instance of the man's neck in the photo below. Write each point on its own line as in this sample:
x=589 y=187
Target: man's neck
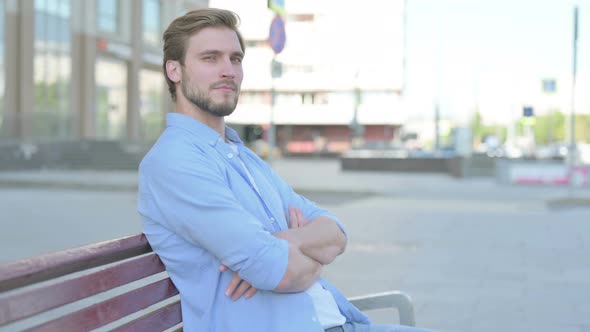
x=216 y=123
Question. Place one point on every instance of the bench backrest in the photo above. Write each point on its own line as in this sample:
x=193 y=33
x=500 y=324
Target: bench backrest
x=34 y=291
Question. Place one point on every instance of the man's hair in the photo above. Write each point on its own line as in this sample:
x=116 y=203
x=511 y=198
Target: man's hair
x=182 y=28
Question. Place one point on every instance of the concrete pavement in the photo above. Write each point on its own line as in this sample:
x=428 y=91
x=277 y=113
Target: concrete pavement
x=475 y=256
x=308 y=175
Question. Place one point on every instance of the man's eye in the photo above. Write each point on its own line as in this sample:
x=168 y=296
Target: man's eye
x=209 y=58
x=237 y=60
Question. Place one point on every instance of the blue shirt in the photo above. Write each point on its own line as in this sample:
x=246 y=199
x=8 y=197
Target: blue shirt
x=199 y=210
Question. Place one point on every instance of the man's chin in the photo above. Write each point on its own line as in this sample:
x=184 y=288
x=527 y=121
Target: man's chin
x=221 y=112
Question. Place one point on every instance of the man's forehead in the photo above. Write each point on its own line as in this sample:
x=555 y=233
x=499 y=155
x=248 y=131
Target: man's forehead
x=215 y=39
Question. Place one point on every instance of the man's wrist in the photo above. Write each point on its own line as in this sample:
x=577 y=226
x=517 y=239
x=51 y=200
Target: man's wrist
x=292 y=236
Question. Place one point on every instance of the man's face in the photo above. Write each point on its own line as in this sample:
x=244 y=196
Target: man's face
x=212 y=73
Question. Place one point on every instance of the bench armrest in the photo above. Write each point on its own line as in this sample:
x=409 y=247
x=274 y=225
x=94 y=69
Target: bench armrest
x=394 y=299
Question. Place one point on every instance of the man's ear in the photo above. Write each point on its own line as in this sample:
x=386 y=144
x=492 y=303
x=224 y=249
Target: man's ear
x=173 y=71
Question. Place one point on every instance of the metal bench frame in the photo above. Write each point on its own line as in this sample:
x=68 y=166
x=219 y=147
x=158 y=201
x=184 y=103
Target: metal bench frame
x=33 y=286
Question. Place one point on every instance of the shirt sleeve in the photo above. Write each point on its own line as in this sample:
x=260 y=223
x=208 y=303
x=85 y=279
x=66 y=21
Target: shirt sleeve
x=308 y=208
x=192 y=197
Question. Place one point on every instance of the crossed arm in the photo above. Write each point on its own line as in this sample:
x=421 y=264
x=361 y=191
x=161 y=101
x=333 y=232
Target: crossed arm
x=312 y=244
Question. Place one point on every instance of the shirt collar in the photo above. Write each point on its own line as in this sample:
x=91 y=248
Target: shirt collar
x=199 y=129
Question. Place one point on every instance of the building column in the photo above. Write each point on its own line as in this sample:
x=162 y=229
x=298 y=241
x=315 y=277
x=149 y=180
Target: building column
x=19 y=65
x=83 y=87
x=134 y=69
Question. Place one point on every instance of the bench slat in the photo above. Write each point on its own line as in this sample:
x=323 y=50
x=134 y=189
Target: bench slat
x=112 y=309
x=29 y=271
x=31 y=302
x=159 y=320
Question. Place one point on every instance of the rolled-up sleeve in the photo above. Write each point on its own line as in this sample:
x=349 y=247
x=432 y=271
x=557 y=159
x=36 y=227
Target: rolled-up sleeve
x=308 y=208
x=211 y=217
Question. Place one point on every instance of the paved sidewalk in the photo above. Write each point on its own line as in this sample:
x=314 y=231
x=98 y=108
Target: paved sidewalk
x=474 y=255
x=311 y=175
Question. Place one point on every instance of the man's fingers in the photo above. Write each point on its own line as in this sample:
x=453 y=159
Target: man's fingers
x=242 y=288
x=293 y=219
x=302 y=220
x=250 y=292
x=233 y=284
x=223 y=268
x=238 y=287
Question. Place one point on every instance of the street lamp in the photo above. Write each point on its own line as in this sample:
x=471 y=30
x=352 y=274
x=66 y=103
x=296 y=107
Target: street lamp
x=355 y=126
x=572 y=149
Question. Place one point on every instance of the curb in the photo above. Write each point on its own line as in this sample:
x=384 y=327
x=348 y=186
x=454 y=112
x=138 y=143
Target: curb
x=66 y=185
x=569 y=202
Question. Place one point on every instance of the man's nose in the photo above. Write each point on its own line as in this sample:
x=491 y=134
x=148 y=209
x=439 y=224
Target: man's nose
x=227 y=68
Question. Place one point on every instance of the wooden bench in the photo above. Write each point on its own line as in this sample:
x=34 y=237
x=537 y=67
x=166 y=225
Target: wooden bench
x=117 y=285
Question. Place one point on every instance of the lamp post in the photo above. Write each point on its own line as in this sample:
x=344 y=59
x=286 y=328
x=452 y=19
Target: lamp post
x=276 y=39
x=356 y=127
x=572 y=148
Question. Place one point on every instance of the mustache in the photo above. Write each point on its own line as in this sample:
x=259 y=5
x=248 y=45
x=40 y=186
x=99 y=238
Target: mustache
x=230 y=83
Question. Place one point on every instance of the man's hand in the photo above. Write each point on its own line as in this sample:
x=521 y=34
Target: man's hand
x=238 y=287
x=320 y=239
x=296 y=218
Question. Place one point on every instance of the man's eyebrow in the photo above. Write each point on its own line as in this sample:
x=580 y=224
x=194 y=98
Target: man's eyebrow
x=208 y=52
x=217 y=52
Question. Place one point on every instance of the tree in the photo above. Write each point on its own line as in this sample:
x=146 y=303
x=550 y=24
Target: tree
x=583 y=128
x=480 y=131
x=476 y=127
x=549 y=127
x=52 y=114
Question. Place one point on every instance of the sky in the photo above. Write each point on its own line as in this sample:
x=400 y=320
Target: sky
x=462 y=55
x=491 y=55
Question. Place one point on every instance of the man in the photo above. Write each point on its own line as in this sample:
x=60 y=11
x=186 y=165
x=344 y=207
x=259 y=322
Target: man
x=244 y=250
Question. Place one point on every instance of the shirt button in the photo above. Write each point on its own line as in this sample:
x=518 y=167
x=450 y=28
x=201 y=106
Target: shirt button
x=230 y=155
x=272 y=219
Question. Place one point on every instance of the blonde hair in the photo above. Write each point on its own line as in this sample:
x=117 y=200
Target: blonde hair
x=182 y=28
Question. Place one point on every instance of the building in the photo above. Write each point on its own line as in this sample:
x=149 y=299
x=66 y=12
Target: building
x=84 y=69
x=74 y=70
x=341 y=74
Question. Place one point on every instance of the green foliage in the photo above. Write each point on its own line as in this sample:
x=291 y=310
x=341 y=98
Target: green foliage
x=481 y=131
x=550 y=127
x=476 y=127
x=583 y=128
x=547 y=128
x=102 y=112
x=152 y=119
x=52 y=117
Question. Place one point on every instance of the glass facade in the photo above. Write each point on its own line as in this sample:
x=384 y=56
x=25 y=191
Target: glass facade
x=111 y=98
x=52 y=116
x=108 y=16
x=3 y=129
x=74 y=77
x=152 y=23
x=151 y=114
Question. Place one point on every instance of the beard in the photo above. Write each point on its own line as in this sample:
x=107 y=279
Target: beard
x=204 y=102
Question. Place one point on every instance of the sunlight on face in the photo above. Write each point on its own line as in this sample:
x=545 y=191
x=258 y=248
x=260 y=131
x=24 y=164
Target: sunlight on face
x=212 y=73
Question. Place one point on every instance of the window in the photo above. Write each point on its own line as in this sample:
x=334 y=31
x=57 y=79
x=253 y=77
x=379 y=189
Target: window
x=150 y=112
x=52 y=116
x=152 y=25
x=108 y=15
x=3 y=124
x=111 y=98
x=255 y=98
x=378 y=98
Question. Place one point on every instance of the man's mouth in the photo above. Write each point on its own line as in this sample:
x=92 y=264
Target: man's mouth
x=225 y=87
